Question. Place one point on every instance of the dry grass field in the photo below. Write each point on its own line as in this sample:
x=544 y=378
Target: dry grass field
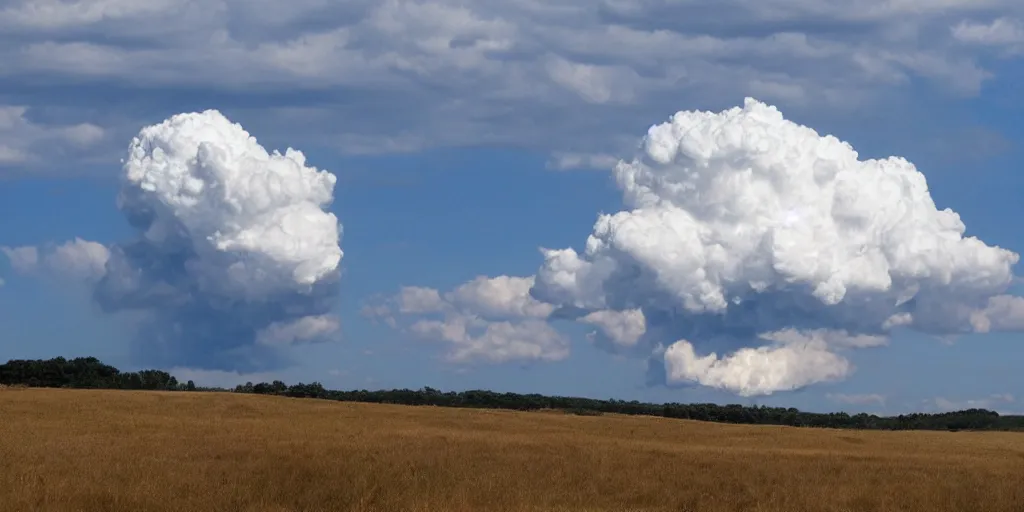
x=149 y=451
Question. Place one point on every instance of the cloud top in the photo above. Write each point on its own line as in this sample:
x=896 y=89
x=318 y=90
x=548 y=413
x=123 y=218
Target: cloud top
x=235 y=252
x=253 y=219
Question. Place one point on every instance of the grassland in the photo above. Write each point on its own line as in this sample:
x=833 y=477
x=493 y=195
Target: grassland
x=163 y=451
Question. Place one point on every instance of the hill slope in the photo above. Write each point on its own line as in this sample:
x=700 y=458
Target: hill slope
x=122 y=450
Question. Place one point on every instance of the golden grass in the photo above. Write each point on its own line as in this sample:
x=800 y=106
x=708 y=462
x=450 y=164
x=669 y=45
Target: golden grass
x=150 y=451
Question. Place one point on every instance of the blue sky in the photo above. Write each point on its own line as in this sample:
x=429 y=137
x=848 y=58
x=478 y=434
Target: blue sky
x=448 y=126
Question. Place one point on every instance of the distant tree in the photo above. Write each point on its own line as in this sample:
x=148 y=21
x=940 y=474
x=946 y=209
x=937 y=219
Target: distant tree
x=89 y=372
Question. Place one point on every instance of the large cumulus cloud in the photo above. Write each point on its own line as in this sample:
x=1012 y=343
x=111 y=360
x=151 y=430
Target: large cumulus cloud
x=758 y=238
x=235 y=255
x=753 y=253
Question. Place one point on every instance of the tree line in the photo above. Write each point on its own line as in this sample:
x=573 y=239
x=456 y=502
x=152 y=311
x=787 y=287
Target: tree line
x=89 y=372
x=82 y=372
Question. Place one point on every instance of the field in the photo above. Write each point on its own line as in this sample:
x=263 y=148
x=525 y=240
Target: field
x=165 y=451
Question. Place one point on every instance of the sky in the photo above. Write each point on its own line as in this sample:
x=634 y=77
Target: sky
x=783 y=202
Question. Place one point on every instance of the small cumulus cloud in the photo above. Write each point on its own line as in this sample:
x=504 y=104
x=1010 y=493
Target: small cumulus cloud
x=476 y=339
x=486 y=319
x=77 y=259
x=302 y=330
x=26 y=143
x=621 y=328
x=753 y=371
x=495 y=319
x=1000 y=313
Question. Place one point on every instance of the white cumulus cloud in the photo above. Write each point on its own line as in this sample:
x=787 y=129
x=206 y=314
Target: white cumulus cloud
x=743 y=227
x=475 y=339
x=756 y=371
x=495 y=319
x=497 y=297
x=76 y=259
x=1001 y=313
x=490 y=319
x=623 y=328
x=254 y=219
x=25 y=143
x=235 y=253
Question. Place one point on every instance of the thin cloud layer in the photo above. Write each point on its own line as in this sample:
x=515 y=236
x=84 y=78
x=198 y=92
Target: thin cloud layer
x=26 y=144
x=1003 y=403
x=1004 y=32
x=857 y=399
x=455 y=68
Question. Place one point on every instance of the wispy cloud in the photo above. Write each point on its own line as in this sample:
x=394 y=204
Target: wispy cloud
x=27 y=143
x=857 y=399
x=1004 y=32
x=999 y=402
